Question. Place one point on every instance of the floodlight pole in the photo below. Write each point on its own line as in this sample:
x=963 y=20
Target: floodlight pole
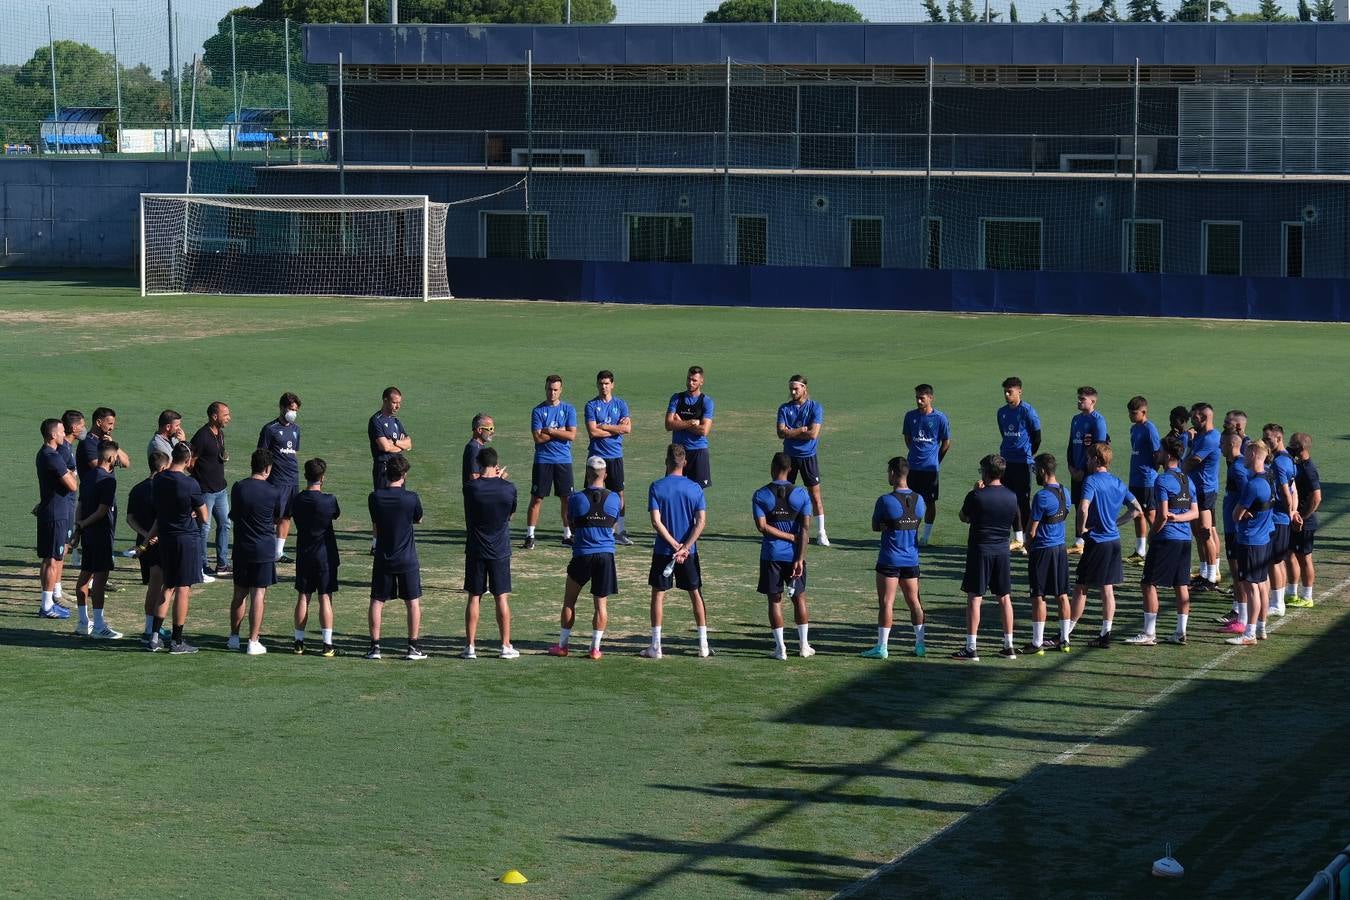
x=234 y=85
x=529 y=145
x=366 y=20
x=928 y=175
x=117 y=78
x=51 y=53
x=173 y=67
x=567 y=15
x=290 y=125
x=774 y=15
x=726 y=171
x=1134 y=175
x=342 y=134
x=192 y=118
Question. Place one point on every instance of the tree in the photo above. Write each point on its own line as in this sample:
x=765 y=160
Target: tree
x=1270 y=12
x=788 y=11
x=1145 y=11
x=1073 y=14
x=1194 y=11
x=1012 y=12
x=968 y=11
x=935 y=12
x=1304 y=13
x=1324 y=10
x=1104 y=13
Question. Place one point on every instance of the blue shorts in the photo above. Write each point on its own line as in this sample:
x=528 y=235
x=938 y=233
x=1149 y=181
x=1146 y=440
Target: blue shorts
x=1048 y=571
x=52 y=538
x=774 y=577
x=395 y=585
x=1168 y=564
x=555 y=478
x=597 y=570
x=251 y=574
x=687 y=576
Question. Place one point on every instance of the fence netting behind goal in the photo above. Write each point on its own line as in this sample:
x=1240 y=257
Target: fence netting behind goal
x=310 y=245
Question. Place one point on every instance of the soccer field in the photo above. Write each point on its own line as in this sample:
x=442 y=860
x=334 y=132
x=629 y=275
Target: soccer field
x=131 y=774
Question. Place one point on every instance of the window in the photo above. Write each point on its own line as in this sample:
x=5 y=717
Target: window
x=1293 y=249
x=934 y=260
x=660 y=238
x=1222 y=248
x=515 y=235
x=1011 y=243
x=864 y=242
x=1146 y=253
x=752 y=240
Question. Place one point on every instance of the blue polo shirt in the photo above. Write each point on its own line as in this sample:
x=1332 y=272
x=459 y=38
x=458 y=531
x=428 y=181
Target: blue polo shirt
x=926 y=433
x=798 y=504
x=53 y=496
x=255 y=507
x=1144 y=444
x=564 y=415
x=1205 y=448
x=1015 y=424
x=689 y=408
x=606 y=413
x=1105 y=494
x=678 y=500
x=800 y=415
x=1085 y=430
x=587 y=540
x=282 y=440
x=1255 y=531
x=1047 y=502
x=899 y=547
x=394 y=511
x=1165 y=488
x=1285 y=473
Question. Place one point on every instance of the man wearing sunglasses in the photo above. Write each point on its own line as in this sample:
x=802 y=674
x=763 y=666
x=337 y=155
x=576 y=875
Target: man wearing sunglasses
x=483 y=431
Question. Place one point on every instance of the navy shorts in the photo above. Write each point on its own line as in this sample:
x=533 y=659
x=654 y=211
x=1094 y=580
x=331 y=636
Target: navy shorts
x=1167 y=564
x=597 y=570
x=379 y=474
x=809 y=467
x=1075 y=491
x=698 y=466
x=898 y=571
x=52 y=538
x=1048 y=571
x=395 y=585
x=774 y=577
x=1301 y=541
x=613 y=474
x=554 y=478
x=1017 y=478
x=314 y=576
x=96 y=550
x=687 y=575
x=988 y=571
x=180 y=558
x=1253 y=563
x=486 y=576
x=1205 y=499
x=1100 y=564
x=925 y=484
x=1280 y=543
x=251 y=574
x=1144 y=495
x=149 y=559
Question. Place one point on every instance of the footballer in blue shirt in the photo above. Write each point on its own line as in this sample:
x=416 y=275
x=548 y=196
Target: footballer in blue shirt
x=689 y=419
x=553 y=426
x=593 y=510
x=779 y=510
x=1203 y=467
x=1144 y=447
x=896 y=516
x=1284 y=473
x=1169 y=551
x=1048 y=561
x=1103 y=497
x=1086 y=429
x=1019 y=429
x=281 y=437
x=928 y=437
x=1254 y=516
x=679 y=513
x=607 y=421
x=799 y=422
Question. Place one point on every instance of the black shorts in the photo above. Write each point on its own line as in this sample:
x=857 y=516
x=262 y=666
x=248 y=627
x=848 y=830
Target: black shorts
x=149 y=559
x=1017 y=478
x=698 y=466
x=379 y=474
x=1144 y=495
x=251 y=574
x=1205 y=499
x=314 y=576
x=596 y=569
x=1100 y=564
x=774 y=577
x=988 y=571
x=52 y=538
x=554 y=478
x=395 y=585
x=898 y=571
x=1075 y=491
x=925 y=484
x=687 y=575
x=1253 y=563
x=96 y=550
x=613 y=473
x=1168 y=564
x=486 y=576
x=1301 y=541
x=1280 y=542
x=808 y=466
x=180 y=558
x=1048 y=571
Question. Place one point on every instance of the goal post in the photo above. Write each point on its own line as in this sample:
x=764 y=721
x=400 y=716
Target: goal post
x=294 y=244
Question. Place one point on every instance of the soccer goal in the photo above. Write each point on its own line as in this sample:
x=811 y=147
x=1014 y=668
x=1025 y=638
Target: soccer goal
x=298 y=244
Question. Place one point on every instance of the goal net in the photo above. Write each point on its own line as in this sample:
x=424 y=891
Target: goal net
x=320 y=245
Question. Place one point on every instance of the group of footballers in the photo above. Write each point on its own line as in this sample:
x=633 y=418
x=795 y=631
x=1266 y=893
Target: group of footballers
x=1269 y=515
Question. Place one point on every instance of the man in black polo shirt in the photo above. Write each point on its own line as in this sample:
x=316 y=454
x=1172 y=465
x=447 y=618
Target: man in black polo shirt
x=179 y=513
x=255 y=507
x=388 y=437
x=990 y=509
x=141 y=518
x=489 y=503
x=208 y=446
x=394 y=511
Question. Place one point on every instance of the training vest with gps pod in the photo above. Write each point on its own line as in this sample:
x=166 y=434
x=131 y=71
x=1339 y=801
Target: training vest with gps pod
x=1060 y=514
x=1179 y=502
x=1263 y=505
x=596 y=517
x=907 y=520
x=687 y=410
x=782 y=516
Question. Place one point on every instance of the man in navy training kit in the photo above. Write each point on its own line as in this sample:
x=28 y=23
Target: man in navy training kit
x=1203 y=467
x=1101 y=566
x=57 y=486
x=897 y=516
x=1019 y=428
x=255 y=509
x=799 y=422
x=679 y=514
x=141 y=518
x=1308 y=488
x=489 y=504
x=689 y=419
x=779 y=511
x=208 y=449
x=388 y=437
x=593 y=511
x=484 y=429
x=86 y=452
x=1168 y=563
x=607 y=421
x=1283 y=514
x=1048 y=562
x=553 y=425
x=1086 y=429
x=98 y=513
x=990 y=509
x=179 y=514
x=1144 y=447
x=396 y=572
x=281 y=438
x=73 y=421
x=1254 y=515
x=316 y=555
x=928 y=435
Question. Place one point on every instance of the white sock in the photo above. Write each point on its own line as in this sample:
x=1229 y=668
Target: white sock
x=1019 y=537
x=529 y=531
x=281 y=547
x=567 y=532
x=918 y=633
x=927 y=531
x=84 y=615
x=47 y=600
x=1073 y=623
x=372 y=542
x=1213 y=572
x=327 y=634
x=1239 y=606
x=801 y=634
x=1065 y=626
x=1037 y=633
x=595 y=639
x=1242 y=614
x=1078 y=543
x=1007 y=640
x=619 y=527
x=56 y=591
x=564 y=636
x=1260 y=628
x=778 y=640
x=820 y=524
x=702 y=636
x=299 y=634
x=1106 y=626
x=1306 y=591
x=1250 y=631
x=1150 y=623
x=98 y=619
x=149 y=624
x=970 y=642
x=1277 y=597
x=656 y=636
x=1141 y=546
x=883 y=636
x=1182 y=619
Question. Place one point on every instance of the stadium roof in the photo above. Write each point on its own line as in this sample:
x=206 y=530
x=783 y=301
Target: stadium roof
x=1032 y=44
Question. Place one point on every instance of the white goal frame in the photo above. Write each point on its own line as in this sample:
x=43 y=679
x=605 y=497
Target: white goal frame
x=317 y=204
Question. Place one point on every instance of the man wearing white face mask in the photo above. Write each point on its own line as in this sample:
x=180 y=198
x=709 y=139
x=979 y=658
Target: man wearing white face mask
x=281 y=438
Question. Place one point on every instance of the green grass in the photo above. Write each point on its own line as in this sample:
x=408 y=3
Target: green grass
x=131 y=775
